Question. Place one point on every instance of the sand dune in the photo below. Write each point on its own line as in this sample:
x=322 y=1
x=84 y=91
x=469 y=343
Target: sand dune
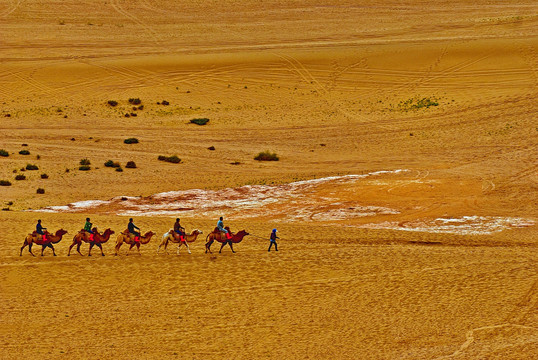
x=405 y=194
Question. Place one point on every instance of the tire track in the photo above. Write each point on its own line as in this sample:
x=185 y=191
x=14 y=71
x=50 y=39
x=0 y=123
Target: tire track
x=118 y=8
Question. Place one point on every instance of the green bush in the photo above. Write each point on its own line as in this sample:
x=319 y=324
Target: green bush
x=84 y=168
x=119 y=169
x=266 y=156
x=40 y=191
x=112 y=103
x=20 y=177
x=112 y=164
x=130 y=165
x=171 y=159
x=4 y=153
x=130 y=141
x=200 y=121
x=24 y=152
x=31 y=167
x=85 y=162
x=5 y=183
x=135 y=101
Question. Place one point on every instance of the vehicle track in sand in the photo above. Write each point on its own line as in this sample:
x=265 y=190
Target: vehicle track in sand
x=11 y=7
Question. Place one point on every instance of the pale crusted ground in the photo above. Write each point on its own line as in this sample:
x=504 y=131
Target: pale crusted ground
x=322 y=84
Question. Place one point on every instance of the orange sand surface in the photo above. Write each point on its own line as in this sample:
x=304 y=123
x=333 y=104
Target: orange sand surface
x=405 y=194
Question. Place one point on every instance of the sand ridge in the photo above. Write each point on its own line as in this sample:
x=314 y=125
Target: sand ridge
x=443 y=266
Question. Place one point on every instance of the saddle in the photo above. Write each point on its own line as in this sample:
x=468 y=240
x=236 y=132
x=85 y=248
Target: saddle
x=220 y=235
x=128 y=234
x=177 y=236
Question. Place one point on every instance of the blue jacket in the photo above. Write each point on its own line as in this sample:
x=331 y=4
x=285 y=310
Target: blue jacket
x=131 y=227
x=39 y=229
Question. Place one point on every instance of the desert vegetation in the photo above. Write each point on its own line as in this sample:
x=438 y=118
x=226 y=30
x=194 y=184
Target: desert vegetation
x=31 y=167
x=130 y=165
x=112 y=164
x=5 y=183
x=200 y=121
x=4 y=153
x=171 y=159
x=24 y=152
x=266 y=156
x=130 y=141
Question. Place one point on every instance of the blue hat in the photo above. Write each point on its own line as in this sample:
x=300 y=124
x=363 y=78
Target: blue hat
x=274 y=230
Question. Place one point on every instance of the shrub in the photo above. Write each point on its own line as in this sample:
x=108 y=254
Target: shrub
x=24 y=145
x=44 y=176
x=130 y=141
x=85 y=162
x=20 y=177
x=134 y=114
x=40 y=191
x=24 y=152
x=164 y=102
x=135 y=101
x=130 y=165
x=211 y=148
x=112 y=103
x=141 y=107
x=31 y=167
x=9 y=203
x=119 y=169
x=171 y=159
x=235 y=163
x=4 y=153
x=38 y=157
x=5 y=183
x=266 y=156
x=84 y=168
x=112 y=164
x=200 y=121
x=127 y=115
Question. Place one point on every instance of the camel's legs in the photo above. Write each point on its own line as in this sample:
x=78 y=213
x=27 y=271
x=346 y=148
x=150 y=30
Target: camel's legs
x=52 y=247
x=24 y=245
x=208 y=246
x=70 y=247
x=187 y=245
x=138 y=248
x=222 y=247
x=118 y=248
x=231 y=246
x=30 y=249
x=78 y=248
x=101 y=248
x=90 y=251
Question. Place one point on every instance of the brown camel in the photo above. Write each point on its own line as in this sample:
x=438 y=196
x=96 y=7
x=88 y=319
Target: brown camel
x=128 y=238
x=221 y=237
x=35 y=238
x=98 y=239
x=172 y=236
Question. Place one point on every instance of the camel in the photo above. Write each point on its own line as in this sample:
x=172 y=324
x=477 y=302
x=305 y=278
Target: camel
x=221 y=237
x=98 y=239
x=35 y=238
x=126 y=237
x=173 y=237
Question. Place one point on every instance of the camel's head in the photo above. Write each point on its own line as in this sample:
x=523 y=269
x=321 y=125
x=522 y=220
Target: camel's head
x=197 y=232
x=149 y=234
x=61 y=232
x=243 y=232
x=109 y=231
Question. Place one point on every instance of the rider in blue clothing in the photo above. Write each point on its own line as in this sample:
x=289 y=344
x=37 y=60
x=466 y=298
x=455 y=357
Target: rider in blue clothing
x=40 y=230
x=220 y=226
x=131 y=227
x=273 y=240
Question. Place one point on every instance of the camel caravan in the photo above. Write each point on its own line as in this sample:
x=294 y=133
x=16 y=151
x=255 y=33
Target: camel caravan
x=90 y=235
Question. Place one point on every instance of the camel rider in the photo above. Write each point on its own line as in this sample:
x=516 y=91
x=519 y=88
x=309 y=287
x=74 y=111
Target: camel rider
x=220 y=226
x=41 y=230
x=88 y=228
x=131 y=227
x=178 y=229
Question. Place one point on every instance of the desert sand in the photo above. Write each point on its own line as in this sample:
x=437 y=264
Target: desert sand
x=405 y=194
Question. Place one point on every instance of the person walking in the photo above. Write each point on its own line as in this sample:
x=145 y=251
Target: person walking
x=273 y=240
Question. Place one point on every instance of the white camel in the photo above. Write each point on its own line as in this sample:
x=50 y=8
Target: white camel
x=173 y=237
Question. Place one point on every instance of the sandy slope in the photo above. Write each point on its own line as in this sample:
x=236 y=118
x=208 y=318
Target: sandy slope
x=322 y=83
